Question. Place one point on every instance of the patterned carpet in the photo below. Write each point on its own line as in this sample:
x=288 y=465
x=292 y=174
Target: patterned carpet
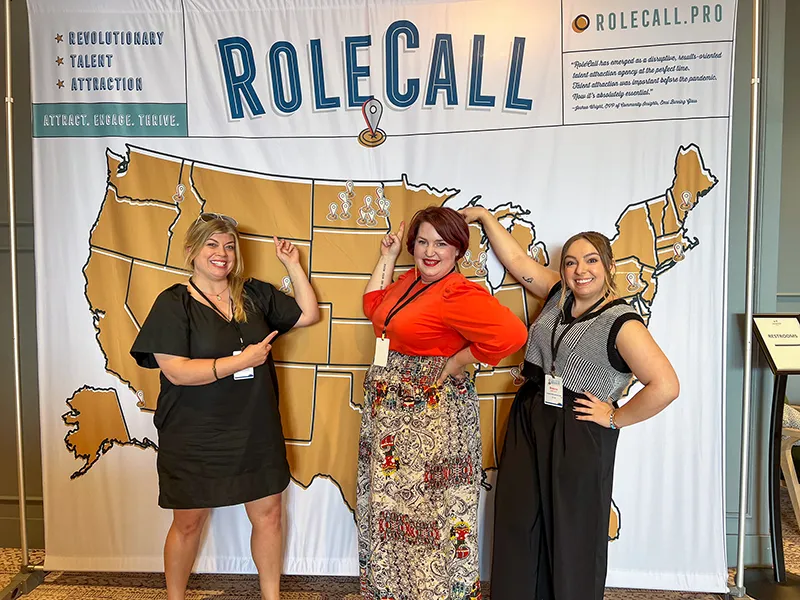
x=150 y=586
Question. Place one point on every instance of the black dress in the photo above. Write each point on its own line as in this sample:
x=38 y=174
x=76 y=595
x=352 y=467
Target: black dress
x=221 y=443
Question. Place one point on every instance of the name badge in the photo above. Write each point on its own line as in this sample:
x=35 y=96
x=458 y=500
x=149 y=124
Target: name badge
x=381 y=352
x=553 y=391
x=244 y=373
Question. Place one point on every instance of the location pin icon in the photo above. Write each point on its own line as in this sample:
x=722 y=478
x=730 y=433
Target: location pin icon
x=372 y=110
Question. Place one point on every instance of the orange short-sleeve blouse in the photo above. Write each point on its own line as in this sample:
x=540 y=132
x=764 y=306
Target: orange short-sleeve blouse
x=452 y=314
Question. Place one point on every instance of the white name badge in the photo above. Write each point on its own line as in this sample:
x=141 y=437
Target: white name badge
x=553 y=391
x=381 y=352
x=244 y=373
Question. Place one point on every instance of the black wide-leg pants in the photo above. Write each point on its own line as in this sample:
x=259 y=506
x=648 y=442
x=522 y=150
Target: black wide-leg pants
x=552 y=502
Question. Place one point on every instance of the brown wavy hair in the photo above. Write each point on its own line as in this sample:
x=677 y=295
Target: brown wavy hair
x=447 y=222
x=603 y=246
x=196 y=237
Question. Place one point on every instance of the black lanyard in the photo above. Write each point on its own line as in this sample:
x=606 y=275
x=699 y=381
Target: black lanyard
x=220 y=313
x=396 y=309
x=555 y=345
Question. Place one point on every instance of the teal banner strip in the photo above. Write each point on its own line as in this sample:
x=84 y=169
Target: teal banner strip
x=109 y=119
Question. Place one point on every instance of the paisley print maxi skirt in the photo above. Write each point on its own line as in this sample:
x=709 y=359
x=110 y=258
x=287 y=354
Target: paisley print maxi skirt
x=419 y=474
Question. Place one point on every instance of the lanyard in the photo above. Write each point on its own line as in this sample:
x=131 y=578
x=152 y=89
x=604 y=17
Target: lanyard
x=555 y=345
x=220 y=313
x=398 y=307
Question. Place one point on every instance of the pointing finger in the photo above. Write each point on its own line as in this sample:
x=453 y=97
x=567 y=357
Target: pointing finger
x=266 y=341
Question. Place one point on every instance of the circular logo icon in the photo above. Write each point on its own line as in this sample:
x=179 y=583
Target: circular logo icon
x=580 y=24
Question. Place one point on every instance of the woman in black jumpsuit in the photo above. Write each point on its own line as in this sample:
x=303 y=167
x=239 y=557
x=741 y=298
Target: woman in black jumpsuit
x=553 y=492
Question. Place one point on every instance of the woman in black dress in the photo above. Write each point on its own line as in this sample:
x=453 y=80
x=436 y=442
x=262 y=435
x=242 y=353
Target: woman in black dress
x=220 y=437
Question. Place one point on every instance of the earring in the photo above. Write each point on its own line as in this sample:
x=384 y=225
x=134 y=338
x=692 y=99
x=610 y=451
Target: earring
x=416 y=273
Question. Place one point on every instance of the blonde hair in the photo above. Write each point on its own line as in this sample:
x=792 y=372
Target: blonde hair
x=603 y=246
x=196 y=238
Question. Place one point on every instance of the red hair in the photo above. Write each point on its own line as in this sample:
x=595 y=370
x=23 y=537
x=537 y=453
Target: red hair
x=447 y=222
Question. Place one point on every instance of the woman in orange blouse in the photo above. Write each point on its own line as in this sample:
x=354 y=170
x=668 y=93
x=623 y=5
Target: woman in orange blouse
x=419 y=467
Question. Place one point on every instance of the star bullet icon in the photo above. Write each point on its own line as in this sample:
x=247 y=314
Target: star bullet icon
x=60 y=83
x=59 y=61
x=59 y=38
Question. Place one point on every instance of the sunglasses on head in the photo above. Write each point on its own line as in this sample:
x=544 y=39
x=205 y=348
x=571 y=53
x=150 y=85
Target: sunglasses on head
x=205 y=217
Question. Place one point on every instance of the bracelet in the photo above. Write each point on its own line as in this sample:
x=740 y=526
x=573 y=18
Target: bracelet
x=611 y=422
x=214 y=370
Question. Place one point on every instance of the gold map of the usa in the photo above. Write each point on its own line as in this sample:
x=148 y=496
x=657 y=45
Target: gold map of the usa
x=136 y=251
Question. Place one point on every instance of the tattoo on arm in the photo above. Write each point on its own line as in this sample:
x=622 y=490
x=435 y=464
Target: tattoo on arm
x=527 y=279
x=383 y=276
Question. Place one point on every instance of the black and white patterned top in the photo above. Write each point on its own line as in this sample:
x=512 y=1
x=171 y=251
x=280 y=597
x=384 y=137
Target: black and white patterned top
x=587 y=358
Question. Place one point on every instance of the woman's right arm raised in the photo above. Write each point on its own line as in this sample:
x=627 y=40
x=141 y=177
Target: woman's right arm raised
x=536 y=278
x=391 y=245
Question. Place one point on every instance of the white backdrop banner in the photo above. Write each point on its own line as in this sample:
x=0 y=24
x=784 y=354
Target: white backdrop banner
x=327 y=122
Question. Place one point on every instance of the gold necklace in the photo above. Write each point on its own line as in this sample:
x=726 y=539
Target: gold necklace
x=219 y=296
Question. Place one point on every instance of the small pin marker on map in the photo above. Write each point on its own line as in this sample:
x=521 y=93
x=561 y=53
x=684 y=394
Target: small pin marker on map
x=286 y=288
x=178 y=196
x=332 y=207
x=467 y=262
x=363 y=218
x=346 y=204
x=383 y=202
x=371 y=137
x=480 y=270
x=516 y=373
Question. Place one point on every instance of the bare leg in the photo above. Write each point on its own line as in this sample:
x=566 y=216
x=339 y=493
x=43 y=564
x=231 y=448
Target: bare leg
x=266 y=543
x=180 y=549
